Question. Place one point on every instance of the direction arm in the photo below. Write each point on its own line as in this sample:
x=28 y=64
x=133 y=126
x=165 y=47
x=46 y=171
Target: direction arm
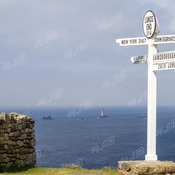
x=164 y=39
x=139 y=59
x=132 y=41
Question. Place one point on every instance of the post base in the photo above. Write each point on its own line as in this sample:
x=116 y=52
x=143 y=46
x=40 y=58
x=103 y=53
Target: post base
x=146 y=167
x=151 y=157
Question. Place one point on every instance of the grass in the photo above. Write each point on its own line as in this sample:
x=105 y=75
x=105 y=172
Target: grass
x=59 y=171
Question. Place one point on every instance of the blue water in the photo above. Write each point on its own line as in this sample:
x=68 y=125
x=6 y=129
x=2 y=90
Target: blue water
x=84 y=140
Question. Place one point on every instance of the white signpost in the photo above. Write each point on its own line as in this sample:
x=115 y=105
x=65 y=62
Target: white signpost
x=164 y=61
x=162 y=39
x=156 y=62
x=139 y=59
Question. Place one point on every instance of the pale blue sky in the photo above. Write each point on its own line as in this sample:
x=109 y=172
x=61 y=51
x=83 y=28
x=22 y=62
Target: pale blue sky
x=63 y=52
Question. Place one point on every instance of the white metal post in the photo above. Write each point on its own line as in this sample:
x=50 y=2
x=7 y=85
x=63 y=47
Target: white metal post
x=167 y=62
x=151 y=108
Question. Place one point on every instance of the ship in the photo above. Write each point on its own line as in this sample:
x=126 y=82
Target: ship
x=102 y=115
x=47 y=118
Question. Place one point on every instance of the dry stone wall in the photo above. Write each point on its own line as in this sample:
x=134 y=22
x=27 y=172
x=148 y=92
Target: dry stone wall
x=17 y=140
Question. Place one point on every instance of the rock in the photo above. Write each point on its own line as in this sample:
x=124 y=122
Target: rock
x=4 y=155
x=1 y=139
x=5 y=117
x=6 y=160
x=1 y=121
x=125 y=166
x=9 y=164
x=19 y=127
x=9 y=142
x=14 y=115
x=147 y=167
x=2 y=147
x=122 y=173
x=17 y=134
x=32 y=142
x=1 y=156
x=28 y=125
x=24 y=136
x=20 y=143
x=11 y=134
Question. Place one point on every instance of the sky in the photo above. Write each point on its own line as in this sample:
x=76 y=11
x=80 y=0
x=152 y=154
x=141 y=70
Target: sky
x=64 y=53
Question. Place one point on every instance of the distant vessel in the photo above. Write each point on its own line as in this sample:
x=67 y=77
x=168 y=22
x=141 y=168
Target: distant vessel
x=142 y=116
x=102 y=115
x=47 y=118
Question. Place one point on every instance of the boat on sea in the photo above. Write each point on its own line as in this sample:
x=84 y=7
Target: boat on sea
x=142 y=116
x=47 y=118
x=102 y=114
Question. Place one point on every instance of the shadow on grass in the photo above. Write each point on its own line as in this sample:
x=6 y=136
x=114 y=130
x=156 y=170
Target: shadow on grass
x=15 y=169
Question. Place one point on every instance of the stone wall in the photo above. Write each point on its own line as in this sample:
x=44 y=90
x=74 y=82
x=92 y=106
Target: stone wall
x=17 y=140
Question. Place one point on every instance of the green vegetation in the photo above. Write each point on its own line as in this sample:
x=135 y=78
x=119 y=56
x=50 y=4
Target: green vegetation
x=58 y=171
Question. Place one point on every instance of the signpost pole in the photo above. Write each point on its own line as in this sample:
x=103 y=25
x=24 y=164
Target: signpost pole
x=151 y=108
x=156 y=61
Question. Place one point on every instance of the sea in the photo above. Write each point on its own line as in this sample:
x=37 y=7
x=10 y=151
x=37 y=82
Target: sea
x=76 y=136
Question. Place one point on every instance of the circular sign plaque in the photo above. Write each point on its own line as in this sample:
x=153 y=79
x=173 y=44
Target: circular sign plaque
x=149 y=24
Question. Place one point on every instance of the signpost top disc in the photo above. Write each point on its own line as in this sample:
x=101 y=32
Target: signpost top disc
x=149 y=24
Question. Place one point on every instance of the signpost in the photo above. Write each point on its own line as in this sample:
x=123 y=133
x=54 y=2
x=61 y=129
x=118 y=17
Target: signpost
x=132 y=41
x=162 y=39
x=164 y=61
x=156 y=62
x=139 y=59
x=150 y=24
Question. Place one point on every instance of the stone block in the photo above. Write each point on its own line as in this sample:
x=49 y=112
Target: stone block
x=24 y=136
x=14 y=115
x=20 y=143
x=6 y=136
x=1 y=122
x=1 y=139
x=5 y=117
x=123 y=173
x=146 y=167
x=2 y=147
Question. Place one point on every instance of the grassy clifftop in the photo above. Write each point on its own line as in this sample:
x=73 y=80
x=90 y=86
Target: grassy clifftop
x=61 y=171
